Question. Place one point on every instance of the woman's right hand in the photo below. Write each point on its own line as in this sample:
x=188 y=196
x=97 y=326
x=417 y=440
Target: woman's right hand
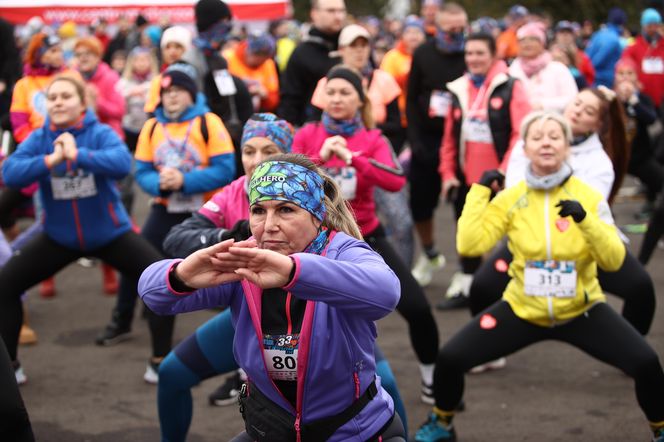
x=212 y=266
x=58 y=155
x=331 y=146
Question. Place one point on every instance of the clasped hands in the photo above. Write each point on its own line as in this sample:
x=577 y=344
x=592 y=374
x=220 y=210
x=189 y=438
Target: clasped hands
x=170 y=178
x=230 y=261
x=64 y=148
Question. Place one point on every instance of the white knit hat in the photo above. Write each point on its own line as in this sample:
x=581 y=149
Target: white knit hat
x=176 y=34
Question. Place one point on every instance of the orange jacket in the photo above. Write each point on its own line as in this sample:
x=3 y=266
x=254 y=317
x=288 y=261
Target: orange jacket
x=397 y=63
x=265 y=74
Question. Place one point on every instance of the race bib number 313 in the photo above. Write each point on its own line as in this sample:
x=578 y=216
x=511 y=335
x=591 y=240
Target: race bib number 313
x=280 y=352
x=550 y=278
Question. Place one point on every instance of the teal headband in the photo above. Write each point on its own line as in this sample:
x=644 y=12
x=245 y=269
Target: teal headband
x=284 y=181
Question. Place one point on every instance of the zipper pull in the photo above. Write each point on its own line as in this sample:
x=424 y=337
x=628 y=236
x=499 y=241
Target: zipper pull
x=297 y=427
x=241 y=396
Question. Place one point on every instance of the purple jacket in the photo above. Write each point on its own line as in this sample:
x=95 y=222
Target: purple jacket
x=336 y=351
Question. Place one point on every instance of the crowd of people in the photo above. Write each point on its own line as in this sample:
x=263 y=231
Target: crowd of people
x=278 y=161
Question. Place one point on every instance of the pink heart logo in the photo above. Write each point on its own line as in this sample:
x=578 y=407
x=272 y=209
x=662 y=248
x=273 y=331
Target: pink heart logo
x=487 y=322
x=562 y=224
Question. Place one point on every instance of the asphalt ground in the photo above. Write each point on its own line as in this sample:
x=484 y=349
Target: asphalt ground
x=77 y=391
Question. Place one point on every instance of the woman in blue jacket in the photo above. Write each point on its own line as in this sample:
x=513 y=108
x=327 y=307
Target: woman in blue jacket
x=307 y=346
x=76 y=160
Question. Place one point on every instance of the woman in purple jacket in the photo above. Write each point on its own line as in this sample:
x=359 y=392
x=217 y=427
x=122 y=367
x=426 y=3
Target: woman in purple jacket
x=307 y=346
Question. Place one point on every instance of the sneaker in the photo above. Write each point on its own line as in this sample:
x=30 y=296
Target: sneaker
x=110 y=279
x=434 y=430
x=47 y=288
x=151 y=375
x=226 y=393
x=116 y=331
x=86 y=262
x=425 y=266
x=27 y=336
x=460 y=285
x=491 y=365
x=658 y=435
x=456 y=302
x=21 y=378
x=427 y=394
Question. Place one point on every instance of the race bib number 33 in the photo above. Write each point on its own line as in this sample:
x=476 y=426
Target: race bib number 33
x=280 y=353
x=550 y=278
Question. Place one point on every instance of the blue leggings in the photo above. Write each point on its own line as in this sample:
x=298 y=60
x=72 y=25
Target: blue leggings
x=207 y=353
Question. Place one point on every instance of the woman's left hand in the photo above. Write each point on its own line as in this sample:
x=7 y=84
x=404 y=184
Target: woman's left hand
x=265 y=268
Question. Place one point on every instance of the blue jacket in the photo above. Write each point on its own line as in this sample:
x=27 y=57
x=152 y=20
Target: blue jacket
x=604 y=51
x=85 y=223
x=335 y=361
x=219 y=172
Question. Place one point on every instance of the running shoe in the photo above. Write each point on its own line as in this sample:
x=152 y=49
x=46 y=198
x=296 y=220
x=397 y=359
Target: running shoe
x=457 y=293
x=110 y=279
x=658 y=435
x=27 y=336
x=425 y=266
x=434 y=430
x=427 y=394
x=151 y=375
x=489 y=366
x=226 y=393
x=47 y=288
x=116 y=331
x=21 y=378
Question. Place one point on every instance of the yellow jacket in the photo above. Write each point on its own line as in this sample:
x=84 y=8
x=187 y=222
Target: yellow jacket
x=536 y=233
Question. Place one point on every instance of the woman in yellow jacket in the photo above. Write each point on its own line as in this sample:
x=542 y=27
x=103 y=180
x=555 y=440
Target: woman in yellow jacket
x=559 y=230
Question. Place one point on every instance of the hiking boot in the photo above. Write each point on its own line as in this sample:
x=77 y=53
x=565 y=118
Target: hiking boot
x=47 y=288
x=110 y=279
x=226 y=393
x=116 y=331
x=27 y=336
x=151 y=375
x=425 y=266
x=435 y=430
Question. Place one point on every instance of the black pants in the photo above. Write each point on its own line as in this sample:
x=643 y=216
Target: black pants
x=651 y=174
x=631 y=283
x=600 y=332
x=42 y=257
x=14 y=420
x=10 y=200
x=413 y=305
x=155 y=229
x=654 y=233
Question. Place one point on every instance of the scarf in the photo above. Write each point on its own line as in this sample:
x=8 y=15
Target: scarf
x=548 y=182
x=319 y=242
x=342 y=127
x=580 y=139
x=450 y=43
x=211 y=40
x=477 y=79
x=533 y=66
x=40 y=70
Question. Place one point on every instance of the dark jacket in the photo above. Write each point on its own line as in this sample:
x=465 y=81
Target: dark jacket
x=431 y=70
x=640 y=115
x=309 y=63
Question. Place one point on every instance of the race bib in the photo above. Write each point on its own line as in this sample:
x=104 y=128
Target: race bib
x=652 y=65
x=346 y=178
x=556 y=279
x=180 y=203
x=280 y=353
x=477 y=131
x=74 y=185
x=439 y=103
x=224 y=82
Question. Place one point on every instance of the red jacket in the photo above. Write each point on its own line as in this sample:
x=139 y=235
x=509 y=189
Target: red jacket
x=649 y=60
x=585 y=66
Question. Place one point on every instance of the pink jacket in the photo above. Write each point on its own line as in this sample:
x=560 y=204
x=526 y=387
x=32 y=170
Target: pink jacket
x=552 y=88
x=229 y=205
x=373 y=159
x=110 y=102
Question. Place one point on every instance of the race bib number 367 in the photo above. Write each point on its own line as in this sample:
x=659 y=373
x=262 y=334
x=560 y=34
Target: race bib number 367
x=551 y=278
x=280 y=352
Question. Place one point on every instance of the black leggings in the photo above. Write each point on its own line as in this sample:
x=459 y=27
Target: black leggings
x=631 y=283
x=600 y=332
x=413 y=305
x=654 y=233
x=42 y=257
x=14 y=420
x=10 y=200
x=155 y=229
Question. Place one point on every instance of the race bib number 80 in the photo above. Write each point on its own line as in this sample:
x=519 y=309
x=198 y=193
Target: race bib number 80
x=551 y=278
x=280 y=353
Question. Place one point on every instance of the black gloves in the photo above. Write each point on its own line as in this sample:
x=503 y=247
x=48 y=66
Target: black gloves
x=491 y=176
x=571 y=208
x=239 y=232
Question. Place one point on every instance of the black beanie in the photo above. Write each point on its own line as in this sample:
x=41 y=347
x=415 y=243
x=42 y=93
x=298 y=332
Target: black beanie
x=180 y=74
x=209 y=12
